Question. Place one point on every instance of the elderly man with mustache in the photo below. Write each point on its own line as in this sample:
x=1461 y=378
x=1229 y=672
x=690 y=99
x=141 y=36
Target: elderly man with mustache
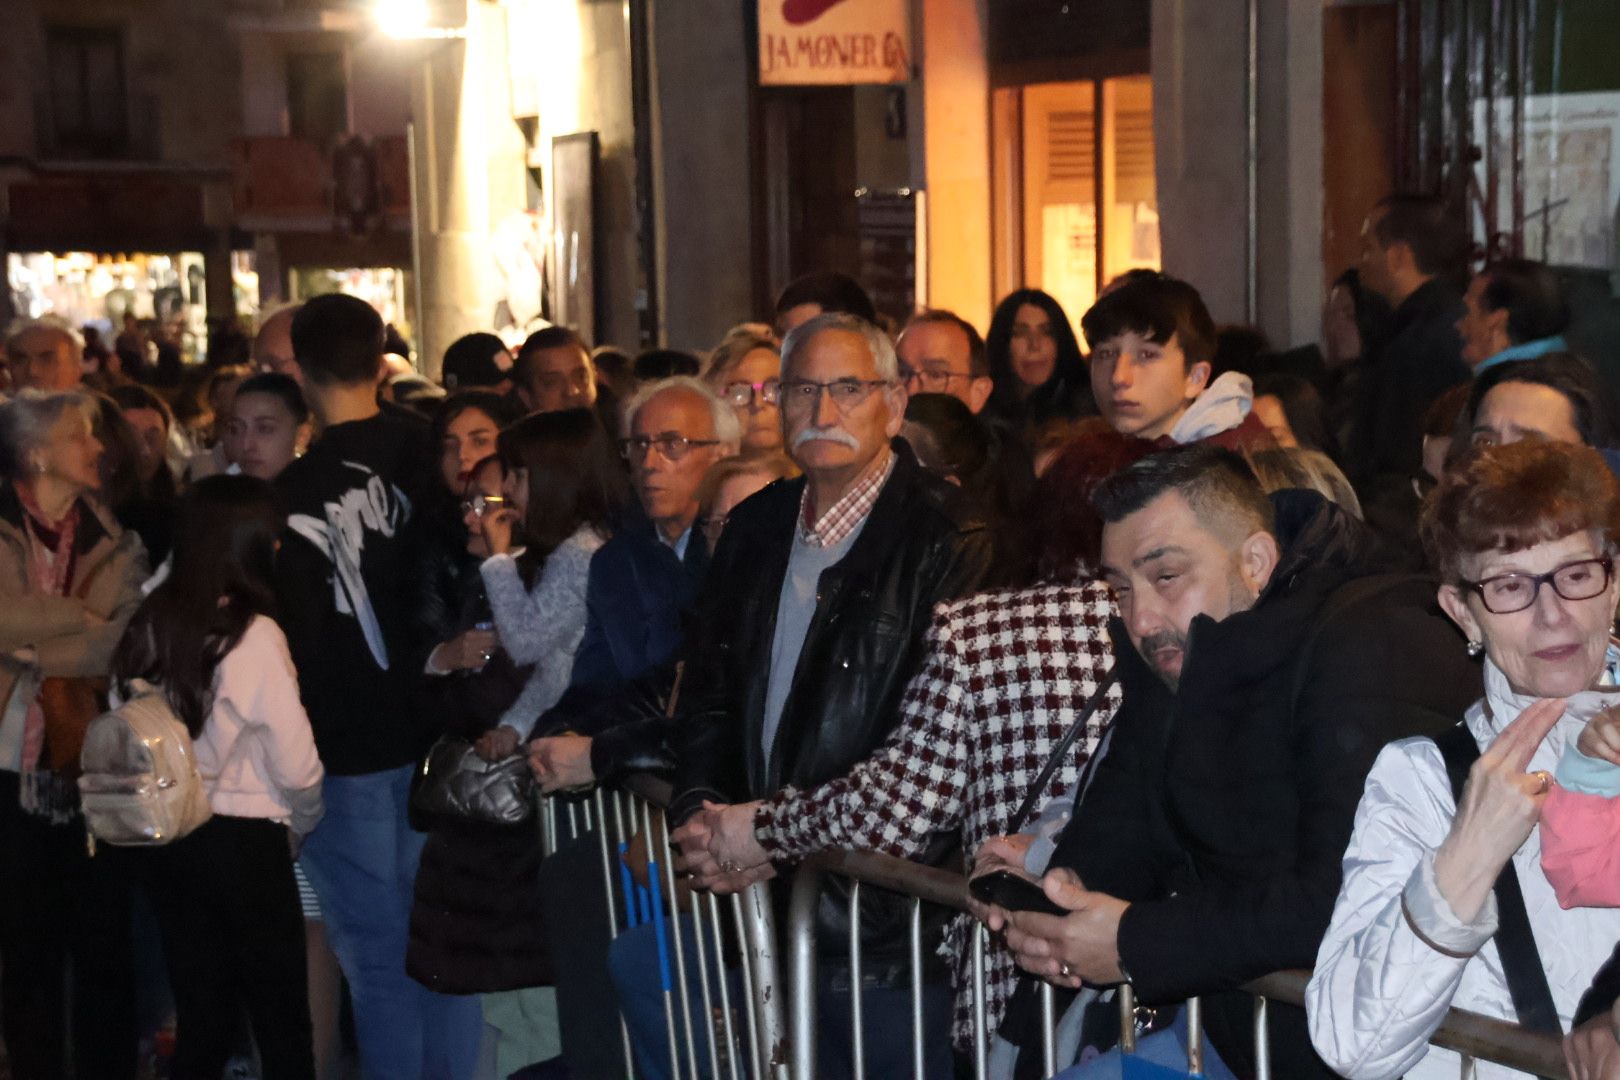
x=812 y=622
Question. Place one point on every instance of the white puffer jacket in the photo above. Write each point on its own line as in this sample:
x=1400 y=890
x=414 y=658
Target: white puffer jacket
x=1379 y=991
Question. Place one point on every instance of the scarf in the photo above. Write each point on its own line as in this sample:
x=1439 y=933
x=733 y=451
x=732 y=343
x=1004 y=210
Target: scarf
x=1503 y=704
x=1221 y=407
x=50 y=564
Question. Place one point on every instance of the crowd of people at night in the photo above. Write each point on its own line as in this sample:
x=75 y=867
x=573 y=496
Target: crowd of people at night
x=1333 y=622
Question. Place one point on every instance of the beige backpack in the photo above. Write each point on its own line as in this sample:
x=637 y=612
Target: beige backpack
x=139 y=785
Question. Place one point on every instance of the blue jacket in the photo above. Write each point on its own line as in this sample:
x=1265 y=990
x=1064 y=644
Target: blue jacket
x=635 y=599
x=1528 y=350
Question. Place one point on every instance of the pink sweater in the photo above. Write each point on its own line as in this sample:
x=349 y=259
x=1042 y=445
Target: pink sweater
x=1580 y=847
x=1580 y=832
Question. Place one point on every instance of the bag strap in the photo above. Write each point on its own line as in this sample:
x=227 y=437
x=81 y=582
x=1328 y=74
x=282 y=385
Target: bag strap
x=1515 y=941
x=1093 y=703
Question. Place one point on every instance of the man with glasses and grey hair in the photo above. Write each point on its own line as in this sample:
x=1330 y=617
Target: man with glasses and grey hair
x=644 y=581
x=811 y=623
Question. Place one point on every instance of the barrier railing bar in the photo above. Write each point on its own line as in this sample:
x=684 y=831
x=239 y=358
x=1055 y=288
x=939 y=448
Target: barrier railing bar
x=1195 y=1036
x=1468 y=1033
x=759 y=1066
x=802 y=913
x=682 y=994
x=661 y=934
x=702 y=959
x=608 y=848
x=918 y=1067
x=548 y=828
x=1262 y=1037
x=857 y=1027
x=713 y=903
x=1127 y=1018
x=767 y=979
x=1048 y=1030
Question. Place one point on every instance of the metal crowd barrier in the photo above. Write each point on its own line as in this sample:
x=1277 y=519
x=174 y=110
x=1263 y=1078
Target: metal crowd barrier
x=739 y=1039
x=770 y=1047
x=1475 y=1038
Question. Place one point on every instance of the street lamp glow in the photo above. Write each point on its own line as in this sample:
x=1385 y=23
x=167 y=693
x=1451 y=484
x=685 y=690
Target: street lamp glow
x=402 y=18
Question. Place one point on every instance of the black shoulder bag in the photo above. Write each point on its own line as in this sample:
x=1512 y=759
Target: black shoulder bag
x=1515 y=942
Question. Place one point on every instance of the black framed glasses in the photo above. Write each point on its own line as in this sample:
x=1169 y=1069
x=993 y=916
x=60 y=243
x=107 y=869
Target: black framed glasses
x=1503 y=594
x=672 y=447
x=743 y=394
x=804 y=395
x=929 y=381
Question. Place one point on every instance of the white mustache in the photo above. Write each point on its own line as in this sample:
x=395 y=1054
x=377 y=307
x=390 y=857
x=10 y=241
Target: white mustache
x=829 y=434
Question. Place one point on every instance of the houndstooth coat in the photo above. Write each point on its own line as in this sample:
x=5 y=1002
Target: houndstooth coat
x=1005 y=675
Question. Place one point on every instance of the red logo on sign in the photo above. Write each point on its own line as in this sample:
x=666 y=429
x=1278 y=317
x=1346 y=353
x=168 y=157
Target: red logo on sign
x=799 y=12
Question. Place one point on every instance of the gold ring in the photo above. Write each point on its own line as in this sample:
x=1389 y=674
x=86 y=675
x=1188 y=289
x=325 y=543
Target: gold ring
x=1063 y=970
x=1546 y=780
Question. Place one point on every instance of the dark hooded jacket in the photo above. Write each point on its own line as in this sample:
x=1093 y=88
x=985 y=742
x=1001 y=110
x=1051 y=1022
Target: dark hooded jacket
x=1222 y=811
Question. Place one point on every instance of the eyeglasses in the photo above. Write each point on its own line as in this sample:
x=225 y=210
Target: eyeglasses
x=479 y=504
x=742 y=394
x=672 y=447
x=929 y=381
x=1580 y=580
x=804 y=396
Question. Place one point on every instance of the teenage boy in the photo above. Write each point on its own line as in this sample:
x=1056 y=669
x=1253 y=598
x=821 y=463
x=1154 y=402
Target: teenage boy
x=1152 y=344
x=344 y=555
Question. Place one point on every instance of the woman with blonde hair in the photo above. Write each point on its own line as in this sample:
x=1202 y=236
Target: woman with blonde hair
x=744 y=370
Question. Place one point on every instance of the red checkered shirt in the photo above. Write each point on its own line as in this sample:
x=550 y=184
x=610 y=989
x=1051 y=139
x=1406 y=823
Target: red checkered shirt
x=1004 y=677
x=842 y=517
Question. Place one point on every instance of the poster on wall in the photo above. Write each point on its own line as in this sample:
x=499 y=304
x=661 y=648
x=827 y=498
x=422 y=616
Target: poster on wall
x=834 y=42
x=1571 y=175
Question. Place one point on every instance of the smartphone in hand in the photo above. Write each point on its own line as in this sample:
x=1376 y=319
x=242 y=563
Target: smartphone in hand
x=1012 y=892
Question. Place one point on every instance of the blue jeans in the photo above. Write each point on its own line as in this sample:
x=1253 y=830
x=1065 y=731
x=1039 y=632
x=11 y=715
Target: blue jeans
x=886 y=1014
x=1167 y=1048
x=362 y=860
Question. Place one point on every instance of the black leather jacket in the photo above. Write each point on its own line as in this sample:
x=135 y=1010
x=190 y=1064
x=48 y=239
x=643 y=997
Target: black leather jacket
x=920 y=545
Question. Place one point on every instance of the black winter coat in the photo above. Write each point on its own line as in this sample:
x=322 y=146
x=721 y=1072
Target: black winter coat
x=1222 y=811
x=920 y=545
x=1421 y=359
x=475 y=921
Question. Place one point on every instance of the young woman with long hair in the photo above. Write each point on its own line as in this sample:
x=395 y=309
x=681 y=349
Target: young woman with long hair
x=566 y=486
x=1036 y=365
x=225 y=897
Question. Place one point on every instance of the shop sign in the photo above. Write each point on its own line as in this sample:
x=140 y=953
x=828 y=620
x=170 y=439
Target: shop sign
x=834 y=42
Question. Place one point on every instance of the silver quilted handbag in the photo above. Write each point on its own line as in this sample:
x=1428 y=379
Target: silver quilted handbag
x=456 y=783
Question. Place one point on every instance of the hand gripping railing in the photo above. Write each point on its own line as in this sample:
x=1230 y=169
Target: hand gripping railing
x=730 y=1039
x=1474 y=1037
